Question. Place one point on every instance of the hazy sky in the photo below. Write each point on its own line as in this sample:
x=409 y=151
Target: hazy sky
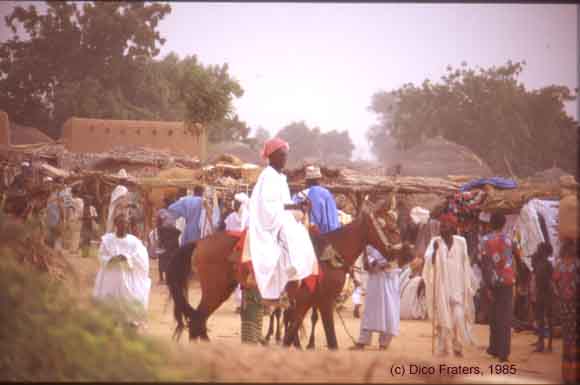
x=321 y=63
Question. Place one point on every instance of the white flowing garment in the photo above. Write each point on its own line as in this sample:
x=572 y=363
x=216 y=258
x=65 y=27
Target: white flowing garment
x=455 y=284
x=383 y=299
x=279 y=246
x=125 y=280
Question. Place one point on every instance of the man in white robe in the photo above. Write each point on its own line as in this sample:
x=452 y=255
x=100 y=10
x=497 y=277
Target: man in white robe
x=123 y=277
x=383 y=301
x=455 y=288
x=279 y=246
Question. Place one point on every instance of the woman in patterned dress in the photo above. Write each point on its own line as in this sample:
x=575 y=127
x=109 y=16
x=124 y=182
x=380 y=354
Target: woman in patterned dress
x=566 y=277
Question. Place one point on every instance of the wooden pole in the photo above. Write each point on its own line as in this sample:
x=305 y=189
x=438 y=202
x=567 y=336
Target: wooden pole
x=433 y=323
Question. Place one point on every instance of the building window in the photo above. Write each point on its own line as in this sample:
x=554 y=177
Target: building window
x=170 y=132
x=154 y=132
x=107 y=130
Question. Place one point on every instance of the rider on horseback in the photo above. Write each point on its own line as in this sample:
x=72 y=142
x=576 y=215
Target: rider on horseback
x=279 y=247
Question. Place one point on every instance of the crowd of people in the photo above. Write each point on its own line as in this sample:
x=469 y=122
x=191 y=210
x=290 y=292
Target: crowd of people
x=454 y=278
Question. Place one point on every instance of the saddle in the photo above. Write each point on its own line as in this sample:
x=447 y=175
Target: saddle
x=324 y=250
x=244 y=270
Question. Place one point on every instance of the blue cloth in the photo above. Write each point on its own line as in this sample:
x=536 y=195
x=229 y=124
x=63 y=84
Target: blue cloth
x=189 y=208
x=324 y=213
x=52 y=214
x=499 y=182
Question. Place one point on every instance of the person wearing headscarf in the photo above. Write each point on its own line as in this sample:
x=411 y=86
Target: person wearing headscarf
x=123 y=277
x=279 y=247
x=455 y=288
x=119 y=202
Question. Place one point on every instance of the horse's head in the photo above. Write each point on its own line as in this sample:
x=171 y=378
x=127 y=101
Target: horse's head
x=382 y=232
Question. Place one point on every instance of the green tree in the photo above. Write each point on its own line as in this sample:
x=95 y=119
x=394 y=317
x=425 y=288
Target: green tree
x=306 y=142
x=486 y=110
x=68 y=49
x=98 y=61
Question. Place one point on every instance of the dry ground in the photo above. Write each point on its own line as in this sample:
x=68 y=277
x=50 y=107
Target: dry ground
x=226 y=359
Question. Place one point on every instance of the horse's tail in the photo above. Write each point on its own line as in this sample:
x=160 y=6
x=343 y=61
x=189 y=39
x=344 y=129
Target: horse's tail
x=178 y=273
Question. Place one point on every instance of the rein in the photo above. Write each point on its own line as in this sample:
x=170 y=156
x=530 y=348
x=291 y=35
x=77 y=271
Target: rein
x=379 y=230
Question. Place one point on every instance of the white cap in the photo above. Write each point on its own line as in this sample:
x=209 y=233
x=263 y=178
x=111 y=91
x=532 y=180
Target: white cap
x=313 y=172
x=419 y=215
x=122 y=173
x=485 y=217
x=241 y=197
x=25 y=164
x=47 y=179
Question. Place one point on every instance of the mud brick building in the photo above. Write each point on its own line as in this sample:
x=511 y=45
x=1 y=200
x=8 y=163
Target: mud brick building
x=81 y=135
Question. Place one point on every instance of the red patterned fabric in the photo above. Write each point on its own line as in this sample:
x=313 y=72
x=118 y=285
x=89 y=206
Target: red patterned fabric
x=311 y=281
x=246 y=267
x=241 y=235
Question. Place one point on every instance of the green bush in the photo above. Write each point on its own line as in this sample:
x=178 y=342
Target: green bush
x=46 y=335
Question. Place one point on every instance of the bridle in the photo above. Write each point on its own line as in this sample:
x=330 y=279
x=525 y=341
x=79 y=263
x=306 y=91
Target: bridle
x=379 y=230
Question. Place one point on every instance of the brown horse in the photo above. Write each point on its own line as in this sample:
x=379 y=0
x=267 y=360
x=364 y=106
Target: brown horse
x=218 y=276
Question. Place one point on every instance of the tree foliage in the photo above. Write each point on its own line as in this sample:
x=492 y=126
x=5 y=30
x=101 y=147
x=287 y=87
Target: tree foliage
x=306 y=142
x=98 y=61
x=486 y=110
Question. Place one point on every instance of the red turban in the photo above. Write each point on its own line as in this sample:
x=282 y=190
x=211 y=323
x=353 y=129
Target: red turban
x=271 y=145
x=449 y=218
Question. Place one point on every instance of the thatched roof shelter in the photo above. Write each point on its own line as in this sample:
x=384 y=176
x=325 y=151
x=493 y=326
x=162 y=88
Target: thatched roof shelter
x=239 y=150
x=27 y=135
x=550 y=175
x=438 y=157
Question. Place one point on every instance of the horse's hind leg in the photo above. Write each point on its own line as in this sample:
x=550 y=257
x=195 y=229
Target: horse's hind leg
x=277 y=313
x=314 y=319
x=270 y=328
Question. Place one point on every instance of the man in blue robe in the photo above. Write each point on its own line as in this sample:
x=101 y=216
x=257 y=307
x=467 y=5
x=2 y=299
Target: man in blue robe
x=189 y=207
x=324 y=213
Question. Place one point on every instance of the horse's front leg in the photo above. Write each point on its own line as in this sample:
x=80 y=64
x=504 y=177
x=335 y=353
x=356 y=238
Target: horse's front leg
x=550 y=322
x=326 y=312
x=296 y=316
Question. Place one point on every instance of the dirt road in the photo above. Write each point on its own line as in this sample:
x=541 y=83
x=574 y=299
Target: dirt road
x=226 y=359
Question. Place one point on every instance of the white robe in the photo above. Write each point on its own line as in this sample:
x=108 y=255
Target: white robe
x=279 y=246
x=455 y=285
x=383 y=299
x=127 y=281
